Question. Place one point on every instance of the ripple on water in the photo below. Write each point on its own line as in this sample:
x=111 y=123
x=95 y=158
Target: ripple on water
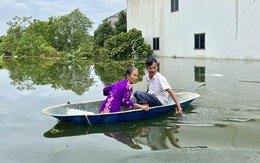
x=209 y=117
x=237 y=119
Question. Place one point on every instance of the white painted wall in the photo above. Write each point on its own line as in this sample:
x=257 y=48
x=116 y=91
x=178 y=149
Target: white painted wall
x=231 y=27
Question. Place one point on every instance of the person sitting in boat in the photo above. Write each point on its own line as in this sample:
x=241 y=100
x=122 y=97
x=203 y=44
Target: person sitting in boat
x=158 y=88
x=119 y=94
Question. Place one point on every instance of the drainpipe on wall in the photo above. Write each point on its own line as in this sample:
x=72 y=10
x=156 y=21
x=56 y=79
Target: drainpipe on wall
x=236 y=14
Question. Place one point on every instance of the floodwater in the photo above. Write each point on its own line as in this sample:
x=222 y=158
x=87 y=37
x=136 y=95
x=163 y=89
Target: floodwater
x=225 y=117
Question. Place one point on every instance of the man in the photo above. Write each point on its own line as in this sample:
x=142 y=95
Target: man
x=158 y=88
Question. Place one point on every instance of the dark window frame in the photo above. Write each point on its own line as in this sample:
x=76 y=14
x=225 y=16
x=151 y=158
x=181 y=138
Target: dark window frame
x=156 y=43
x=199 y=41
x=174 y=5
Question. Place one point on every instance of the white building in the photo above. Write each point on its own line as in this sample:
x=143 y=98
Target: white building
x=198 y=28
x=114 y=18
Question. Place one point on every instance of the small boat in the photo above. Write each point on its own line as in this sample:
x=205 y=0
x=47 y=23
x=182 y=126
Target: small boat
x=88 y=112
x=67 y=129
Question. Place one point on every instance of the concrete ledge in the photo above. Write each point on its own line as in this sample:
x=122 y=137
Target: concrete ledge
x=195 y=155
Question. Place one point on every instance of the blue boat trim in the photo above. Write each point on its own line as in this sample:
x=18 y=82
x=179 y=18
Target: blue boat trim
x=59 y=111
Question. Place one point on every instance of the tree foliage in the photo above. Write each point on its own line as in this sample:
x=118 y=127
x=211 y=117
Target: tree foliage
x=121 y=24
x=117 y=42
x=103 y=32
x=1 y=60
x=71 y=31
x=68 y=35
x=27 y=37
x=127 y=45
x=14 y=33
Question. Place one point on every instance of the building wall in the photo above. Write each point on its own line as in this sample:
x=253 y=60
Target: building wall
x=230 y=27
x=114 y=18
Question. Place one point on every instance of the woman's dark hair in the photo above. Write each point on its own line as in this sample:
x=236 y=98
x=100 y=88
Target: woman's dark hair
x=129 y=71
x=150 y=61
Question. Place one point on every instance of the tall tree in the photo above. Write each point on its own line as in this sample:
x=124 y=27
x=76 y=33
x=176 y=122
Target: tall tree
x=103 y=32
x=127 y=45
x=72 y=31
x=15 y=32
x=121 y=24
x=66 y=33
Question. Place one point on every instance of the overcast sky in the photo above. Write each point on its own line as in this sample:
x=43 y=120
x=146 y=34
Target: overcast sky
x=96 y=10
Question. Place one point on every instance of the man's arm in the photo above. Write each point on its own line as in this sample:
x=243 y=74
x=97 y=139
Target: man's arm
x=174 y=97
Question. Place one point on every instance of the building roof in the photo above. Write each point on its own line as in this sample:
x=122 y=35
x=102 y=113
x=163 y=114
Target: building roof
x=115 y=15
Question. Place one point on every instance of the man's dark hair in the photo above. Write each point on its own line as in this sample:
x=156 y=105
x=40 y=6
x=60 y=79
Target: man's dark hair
x=150 y=61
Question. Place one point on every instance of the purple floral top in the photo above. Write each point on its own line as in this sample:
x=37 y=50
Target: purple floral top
x=118 y=94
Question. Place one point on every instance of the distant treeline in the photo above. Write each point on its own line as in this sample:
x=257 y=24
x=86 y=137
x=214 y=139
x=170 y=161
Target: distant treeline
x=68 y=37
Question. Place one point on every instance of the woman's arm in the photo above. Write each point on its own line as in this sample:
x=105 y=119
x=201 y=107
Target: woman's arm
x=107 y=89
x=130 y=104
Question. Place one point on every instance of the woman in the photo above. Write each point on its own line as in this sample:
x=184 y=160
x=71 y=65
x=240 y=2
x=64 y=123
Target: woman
x=119 y=93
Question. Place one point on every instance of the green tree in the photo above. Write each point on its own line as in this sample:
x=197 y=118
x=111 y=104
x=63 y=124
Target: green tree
x=66 y=33
x=121 y=24
x=27 y=38
x=44 y=29
x=72 y=31
x=14 y=33
x=1 y=60
x=2 y=38
x=127 y=45
x=29 y=45
x=102 y=33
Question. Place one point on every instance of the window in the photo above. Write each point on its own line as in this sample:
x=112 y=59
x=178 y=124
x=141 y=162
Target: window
x=199 y=41
x=156 y=44
x=174 y=5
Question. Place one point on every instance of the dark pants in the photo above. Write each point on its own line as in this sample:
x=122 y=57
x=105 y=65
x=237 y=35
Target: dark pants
x=146 y=98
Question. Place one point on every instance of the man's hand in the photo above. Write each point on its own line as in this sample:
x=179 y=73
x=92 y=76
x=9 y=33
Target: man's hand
x=146 y=108
x=179 y=110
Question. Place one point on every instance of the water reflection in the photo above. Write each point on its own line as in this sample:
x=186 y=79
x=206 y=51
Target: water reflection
x=156 y=133
x=199 y=73
x=110 y=71
x=75 y=76
x=26 y=73
x=135 y=135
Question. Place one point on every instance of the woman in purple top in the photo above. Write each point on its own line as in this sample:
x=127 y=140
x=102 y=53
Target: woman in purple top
x=119 y=94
